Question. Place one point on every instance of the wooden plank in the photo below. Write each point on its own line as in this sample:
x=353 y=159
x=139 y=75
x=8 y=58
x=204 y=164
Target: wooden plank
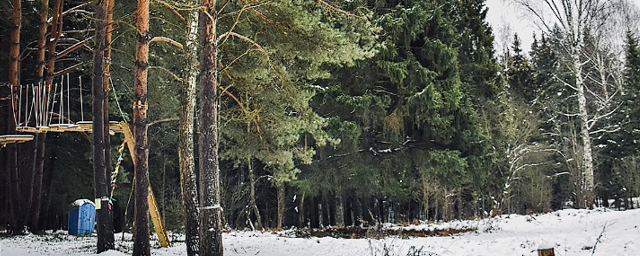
x=18 y=138
x=156 y=219
x=158 y=225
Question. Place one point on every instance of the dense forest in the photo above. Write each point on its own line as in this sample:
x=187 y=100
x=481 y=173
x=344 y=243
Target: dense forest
x=316 y=113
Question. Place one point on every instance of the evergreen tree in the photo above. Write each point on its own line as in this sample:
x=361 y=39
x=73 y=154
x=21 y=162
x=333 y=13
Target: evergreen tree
x=476 y=53
x=631 y=109
x=520 y=74
x=399 y=107
x=268 y=79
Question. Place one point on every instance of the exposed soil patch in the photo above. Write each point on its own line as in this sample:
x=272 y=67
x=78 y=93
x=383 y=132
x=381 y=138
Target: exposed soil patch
x=372 y=232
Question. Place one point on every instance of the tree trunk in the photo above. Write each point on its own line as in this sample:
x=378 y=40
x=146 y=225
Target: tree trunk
x=34 y=215
x=210 y=209
x=54 y=37
x=42 y=38
x=12 y=153
x=252 y=195
x=320 y=219
x=425 y=196
x=36 y=194
x=188 y=185
x=14 y=49
x=301 y=219
x=141 y=244
x=280 y=188
x=587 y=157
x=103 y=215
x=49 y=181
x=105 y=102
x=339 y=219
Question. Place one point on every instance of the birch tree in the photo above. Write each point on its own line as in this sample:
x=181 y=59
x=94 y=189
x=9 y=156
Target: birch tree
x=575 y=19
x=188 y=185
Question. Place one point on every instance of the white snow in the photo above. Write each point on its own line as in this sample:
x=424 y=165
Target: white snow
x=569 y=232
x=80 y=202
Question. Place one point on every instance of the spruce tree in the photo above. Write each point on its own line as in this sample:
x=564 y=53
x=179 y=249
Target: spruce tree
x=631 y=91
x=520 y=74
x=477 y=64
x=398 y=108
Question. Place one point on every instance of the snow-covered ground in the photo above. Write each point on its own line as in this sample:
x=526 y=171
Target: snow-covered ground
x=570 y=232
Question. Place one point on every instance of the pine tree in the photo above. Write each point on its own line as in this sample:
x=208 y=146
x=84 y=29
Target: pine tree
x=269 y=119
x=100 y=146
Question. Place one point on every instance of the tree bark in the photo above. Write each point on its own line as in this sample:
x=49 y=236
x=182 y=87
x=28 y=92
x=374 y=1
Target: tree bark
x=210 y=209
x=141 y=244
x=14 y=49
x=54 y=37
x=339 y=210
x=587 y=156
x=105 y=85
x=188 y=186
x=320 y=213
x=36 y=194
x=280 y=188
x=103 y=215
x=252 y=195
x=42 y=38
x=301 y=219
x=34 y=215
x=12 y=152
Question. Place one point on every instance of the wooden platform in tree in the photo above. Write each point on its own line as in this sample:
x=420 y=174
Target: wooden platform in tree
x=17 y=138
x=84 y=126
x=114 y=127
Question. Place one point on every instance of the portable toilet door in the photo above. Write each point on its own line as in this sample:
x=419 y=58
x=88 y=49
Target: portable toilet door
x=82 y=217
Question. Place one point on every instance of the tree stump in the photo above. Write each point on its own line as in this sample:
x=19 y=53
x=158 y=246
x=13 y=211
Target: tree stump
x=546 y=252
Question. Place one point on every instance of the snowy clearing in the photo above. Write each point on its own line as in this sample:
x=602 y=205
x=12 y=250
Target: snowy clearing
x=571 y=232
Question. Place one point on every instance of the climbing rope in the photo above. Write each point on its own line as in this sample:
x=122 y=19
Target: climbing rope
x=114 y=174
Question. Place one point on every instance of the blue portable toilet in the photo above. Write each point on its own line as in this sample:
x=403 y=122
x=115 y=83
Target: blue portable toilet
x=82 y=217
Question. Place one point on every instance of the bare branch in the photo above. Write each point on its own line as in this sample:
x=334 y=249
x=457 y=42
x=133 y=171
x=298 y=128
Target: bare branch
x=66 y=70
x=167 y=40
x=73 y=48
x=168 y=71
x=253 y=9
x=224 y=35
x=74 y=9
x=163 y=120
x=246 y=112
x=172 y=9
x=75 y=41
x=79 y=31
